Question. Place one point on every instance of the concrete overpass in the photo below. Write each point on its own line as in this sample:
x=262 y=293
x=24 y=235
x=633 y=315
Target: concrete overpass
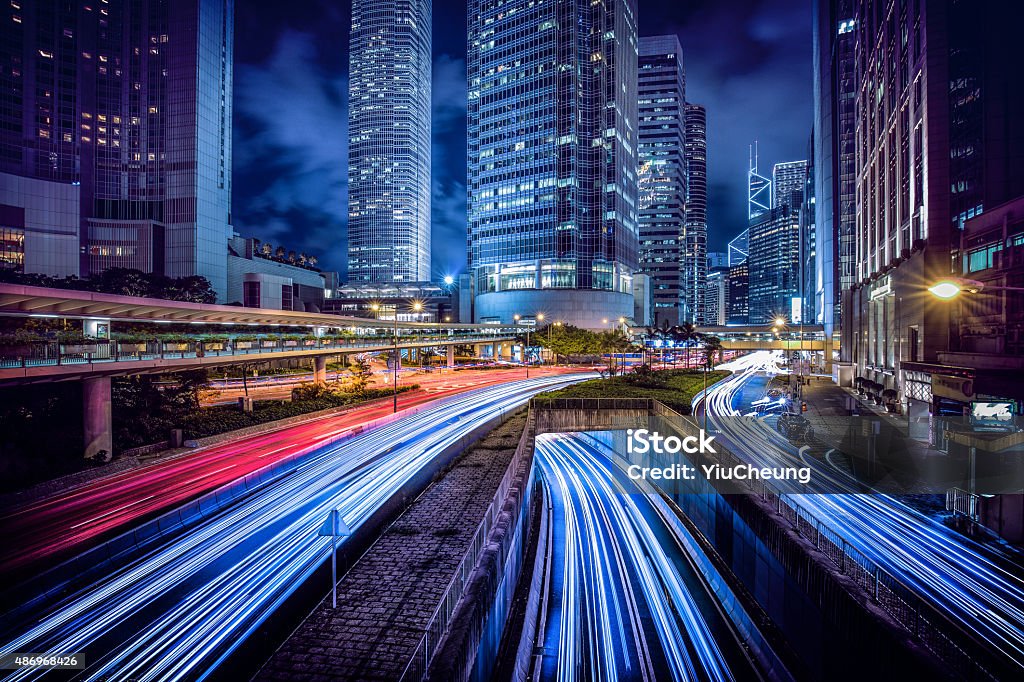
x=809 y=337
x=96 y=360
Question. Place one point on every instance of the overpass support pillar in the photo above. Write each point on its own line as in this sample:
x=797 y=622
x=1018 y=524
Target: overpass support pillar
x=97 y=424
x=320 y=369
x=495 y=350
x=827 y=354
x=451 y=356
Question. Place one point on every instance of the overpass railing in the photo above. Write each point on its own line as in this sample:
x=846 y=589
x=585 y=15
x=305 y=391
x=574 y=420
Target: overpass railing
x=54 y=353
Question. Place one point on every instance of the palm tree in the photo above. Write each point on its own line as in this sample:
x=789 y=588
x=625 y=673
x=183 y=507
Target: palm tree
x=712 y=347
x=687 y=334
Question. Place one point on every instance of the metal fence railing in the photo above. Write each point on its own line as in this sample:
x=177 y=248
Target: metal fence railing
x=52 y=353
x=440 y=621
x=592 y=403
x=961 y=501
x=908 y=608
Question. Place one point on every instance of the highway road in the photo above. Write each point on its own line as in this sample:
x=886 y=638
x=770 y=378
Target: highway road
x=179 y=611
x=36 y=536
x=963 y=578
x=623 y=603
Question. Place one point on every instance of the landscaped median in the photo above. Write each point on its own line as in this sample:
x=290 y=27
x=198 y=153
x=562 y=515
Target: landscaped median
x=210 y=421
x=674 y=387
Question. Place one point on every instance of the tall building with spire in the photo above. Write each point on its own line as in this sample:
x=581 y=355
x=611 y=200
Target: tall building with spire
x=759 y=188
x=389 y=151
x=553 y=133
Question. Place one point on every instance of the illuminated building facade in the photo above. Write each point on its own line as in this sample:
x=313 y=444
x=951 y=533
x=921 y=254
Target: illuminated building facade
x=389 y=141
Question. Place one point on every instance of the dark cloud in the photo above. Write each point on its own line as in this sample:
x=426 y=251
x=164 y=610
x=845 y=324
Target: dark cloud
x=290 y=150
x=448 y=203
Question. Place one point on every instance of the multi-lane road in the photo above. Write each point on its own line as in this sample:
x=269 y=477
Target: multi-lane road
x=623 y=602
x=39 y=534
x=963 y=578
x=180 y=610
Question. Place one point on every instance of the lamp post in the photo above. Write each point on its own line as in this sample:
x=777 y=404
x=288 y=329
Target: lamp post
x=417 y=306
x=540 y=318
x=518 y=317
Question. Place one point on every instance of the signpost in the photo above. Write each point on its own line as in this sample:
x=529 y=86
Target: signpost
x=334 y=527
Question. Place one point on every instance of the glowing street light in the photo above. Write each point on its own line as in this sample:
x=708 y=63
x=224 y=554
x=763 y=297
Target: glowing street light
x=951 y=288
x=954 y=286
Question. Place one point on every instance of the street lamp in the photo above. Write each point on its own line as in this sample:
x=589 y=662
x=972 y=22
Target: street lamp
x=518 y=317
x=953 y=286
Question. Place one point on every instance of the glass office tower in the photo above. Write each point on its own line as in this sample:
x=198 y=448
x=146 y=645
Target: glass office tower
x=389 y=141
x=662 y=181
x=552 y=159
x=129 y=103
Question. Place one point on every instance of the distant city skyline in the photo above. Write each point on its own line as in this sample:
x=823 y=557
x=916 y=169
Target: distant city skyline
x=291 y=76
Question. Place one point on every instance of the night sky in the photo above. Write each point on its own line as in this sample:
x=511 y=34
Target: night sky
x=748 y=62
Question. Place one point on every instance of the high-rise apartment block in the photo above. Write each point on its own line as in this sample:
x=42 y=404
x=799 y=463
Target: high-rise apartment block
x=553 y=135
x=115 y=136
x=663 y=176
x=389 y=141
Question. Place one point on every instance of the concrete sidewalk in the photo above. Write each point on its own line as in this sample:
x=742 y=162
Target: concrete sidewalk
x=874 y=444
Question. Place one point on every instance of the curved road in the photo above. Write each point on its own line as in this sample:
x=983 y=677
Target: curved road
x=624 y=603
x=944 y=567
x=38 y=535
x=179 y=611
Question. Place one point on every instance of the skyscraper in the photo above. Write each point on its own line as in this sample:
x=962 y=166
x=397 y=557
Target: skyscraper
x=738 y=279
x=695 y=261
x=759 y=188
x=552 y=168
x=118 y=143
x=835 y=186
x=662 y=176
x=774 y=266
x=389 y=141
x=788 y=180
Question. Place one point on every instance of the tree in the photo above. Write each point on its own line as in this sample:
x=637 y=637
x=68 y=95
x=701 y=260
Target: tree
x=686 y=334
x=359 y=374
x=712 y=347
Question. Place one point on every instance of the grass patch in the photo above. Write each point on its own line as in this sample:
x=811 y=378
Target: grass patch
x=674 y=387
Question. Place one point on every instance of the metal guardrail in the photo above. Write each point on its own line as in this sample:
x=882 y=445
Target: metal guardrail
x=440 y=621
x=51 y=354
x=592 y=403
x=961 y=501
x=919 y=617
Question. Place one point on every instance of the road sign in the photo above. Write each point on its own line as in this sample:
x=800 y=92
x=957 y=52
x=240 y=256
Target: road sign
x=334 y=527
